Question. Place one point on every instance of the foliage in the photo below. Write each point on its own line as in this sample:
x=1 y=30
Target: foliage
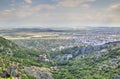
x=91 y=67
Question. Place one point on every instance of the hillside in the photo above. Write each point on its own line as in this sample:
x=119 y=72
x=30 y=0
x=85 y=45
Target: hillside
x=15 y=61
x=90 y=62
x=16 y=53
x=100 y=64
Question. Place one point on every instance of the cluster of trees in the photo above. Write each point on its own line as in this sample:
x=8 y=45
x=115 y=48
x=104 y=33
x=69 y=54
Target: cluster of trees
x=89 y=68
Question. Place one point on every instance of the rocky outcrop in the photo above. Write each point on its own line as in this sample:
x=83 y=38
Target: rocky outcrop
x=38 y=73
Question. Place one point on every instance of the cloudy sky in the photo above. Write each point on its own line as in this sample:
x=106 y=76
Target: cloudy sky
x=59 y=13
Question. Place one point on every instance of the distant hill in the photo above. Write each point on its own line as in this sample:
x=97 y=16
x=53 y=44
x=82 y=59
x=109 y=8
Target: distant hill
x=34 y=30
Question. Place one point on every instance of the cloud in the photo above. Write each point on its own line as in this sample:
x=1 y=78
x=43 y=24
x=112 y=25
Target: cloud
x=42 y=7
x=114 y=8
x=24 y=11
x=74 y=3
x=28 y=1
x=63 y=12
x=27 y=11
x=113 y=12
x=6 y=15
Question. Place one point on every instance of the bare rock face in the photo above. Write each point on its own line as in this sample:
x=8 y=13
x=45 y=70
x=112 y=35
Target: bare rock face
x=39 y=73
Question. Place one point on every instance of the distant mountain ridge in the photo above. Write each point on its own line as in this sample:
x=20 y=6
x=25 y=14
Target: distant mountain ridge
x=34 y=30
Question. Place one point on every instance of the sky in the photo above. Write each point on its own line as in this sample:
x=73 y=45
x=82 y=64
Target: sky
x=59 y=13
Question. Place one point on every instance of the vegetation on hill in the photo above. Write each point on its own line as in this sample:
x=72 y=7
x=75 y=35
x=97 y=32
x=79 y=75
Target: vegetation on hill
x=14 y=58
x=17 y=61
x=102 y=64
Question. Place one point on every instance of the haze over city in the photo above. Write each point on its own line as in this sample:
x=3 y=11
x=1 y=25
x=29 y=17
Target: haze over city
x=59 y=13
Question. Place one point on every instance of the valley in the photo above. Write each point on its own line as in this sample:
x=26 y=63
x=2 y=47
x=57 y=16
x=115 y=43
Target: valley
x=59 y=39
x=62 y=54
